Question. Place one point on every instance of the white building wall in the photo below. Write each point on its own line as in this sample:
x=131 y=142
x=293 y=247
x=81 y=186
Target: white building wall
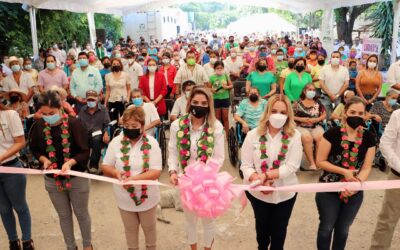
x=166 y=20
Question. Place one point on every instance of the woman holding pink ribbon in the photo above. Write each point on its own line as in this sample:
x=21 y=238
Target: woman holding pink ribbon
x=133 y=156
x=271 y=155
x=345 y=154
x=13 y=186
x=196 y=136
x=60 y=142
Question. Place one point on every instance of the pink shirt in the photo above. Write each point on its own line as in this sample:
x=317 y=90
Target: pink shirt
x=47 y=79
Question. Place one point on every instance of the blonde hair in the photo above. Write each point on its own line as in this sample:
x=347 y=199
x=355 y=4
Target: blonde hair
x=290 y=125
x=134 y=113
x=60 y=91
x=207 y=93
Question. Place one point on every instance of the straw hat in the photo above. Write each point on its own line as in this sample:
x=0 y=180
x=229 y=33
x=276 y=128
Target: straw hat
x=14 y=59
x=17 y=91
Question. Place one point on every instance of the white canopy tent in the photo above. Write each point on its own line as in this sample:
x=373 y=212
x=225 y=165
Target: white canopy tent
x=250 y=24
x=128 y=6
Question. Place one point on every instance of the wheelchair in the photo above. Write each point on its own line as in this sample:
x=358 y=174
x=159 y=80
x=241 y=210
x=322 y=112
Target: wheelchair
x=239 y=93
x=235 y=142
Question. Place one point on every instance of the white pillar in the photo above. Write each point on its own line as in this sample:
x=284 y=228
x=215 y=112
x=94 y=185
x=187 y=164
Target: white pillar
x=32 y=17
x=92 y=29
x=395 y=34
x=326 y=33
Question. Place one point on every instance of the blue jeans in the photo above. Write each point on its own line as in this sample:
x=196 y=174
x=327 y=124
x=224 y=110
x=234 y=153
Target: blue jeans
x=337 y=216
x=12 y=197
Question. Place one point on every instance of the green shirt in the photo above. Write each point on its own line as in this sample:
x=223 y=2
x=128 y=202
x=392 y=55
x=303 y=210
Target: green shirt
x=228 y=45
x=217 y=82
x=262 y=82
x=294 y=86
x=82 y=81
x=251 y=115
x=280 y=66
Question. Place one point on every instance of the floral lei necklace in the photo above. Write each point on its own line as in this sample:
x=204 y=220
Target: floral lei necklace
x=281 y=156
x=349 y=160
x=205 y=144
x=145 y=148
x=51 y=150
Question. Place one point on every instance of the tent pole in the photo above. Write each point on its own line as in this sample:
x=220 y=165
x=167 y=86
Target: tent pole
x=92 y=28
x=395 y=34
x=326 y=32
x=32 y=17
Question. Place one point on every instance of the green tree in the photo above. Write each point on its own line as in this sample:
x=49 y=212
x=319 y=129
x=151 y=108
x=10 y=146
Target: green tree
x=382 y=24
x=345 y=18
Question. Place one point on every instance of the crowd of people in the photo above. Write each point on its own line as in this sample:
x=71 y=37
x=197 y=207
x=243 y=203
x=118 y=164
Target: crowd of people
x=296 y=98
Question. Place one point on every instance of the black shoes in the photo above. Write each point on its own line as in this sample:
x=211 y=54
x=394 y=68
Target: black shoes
x=27 y=245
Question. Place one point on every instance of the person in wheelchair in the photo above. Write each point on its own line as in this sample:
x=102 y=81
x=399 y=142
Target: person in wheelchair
x=180 y=104
x=152 y=119
x=96 y=119
x=309 y=113
x=250 y=110
x=382 y=110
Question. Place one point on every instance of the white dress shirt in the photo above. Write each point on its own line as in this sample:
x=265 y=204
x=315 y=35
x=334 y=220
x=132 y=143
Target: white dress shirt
x=112 y=158
x=25 y=83
x=334 y=78
x=251 y=163
x=233 y=66
x=180 y=104
x=390 y=141
x=135 y=71
x=198 y=75
x=218 y=154
x=393 y=74
x=151 y=86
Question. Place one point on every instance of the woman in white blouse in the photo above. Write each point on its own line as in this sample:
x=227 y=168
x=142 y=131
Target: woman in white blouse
x=135 y=156
x=118 y=88
x=271 y=155
x=186 y=135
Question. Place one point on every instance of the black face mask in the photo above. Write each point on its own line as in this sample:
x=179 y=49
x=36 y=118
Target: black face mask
x=132 y=134
x=198 y=111
x=299 y=68
x=107 y=65
x=241 y=47
x=291 y=65
x=116 y=68
x=314 y=48
x=253 y=97
x=14 y=98
x=262 y=68
x=321 y=62
x=355 y=121
x=144 y=54
x=231 y=41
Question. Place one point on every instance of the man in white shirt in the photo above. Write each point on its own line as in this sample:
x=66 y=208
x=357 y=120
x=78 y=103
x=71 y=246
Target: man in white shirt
x=334 y=80
x=393 y=76
x=390 y=212
x=233 y=64
x=134 y=70
x=25 y=83
x=152 y=119
x=180 y=104
x=358 y=46
x=190 y=71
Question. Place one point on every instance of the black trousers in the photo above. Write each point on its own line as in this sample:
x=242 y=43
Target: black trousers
x=271 y=222
x=119 y=109
x=96 y=144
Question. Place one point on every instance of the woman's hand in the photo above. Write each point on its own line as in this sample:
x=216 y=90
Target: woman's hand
x=47 y=164
x=267 y=183
x=65 y=167
x=350 y=175
x=245 y=128
x=346 y=193
x=131 y=178
x=173 y=179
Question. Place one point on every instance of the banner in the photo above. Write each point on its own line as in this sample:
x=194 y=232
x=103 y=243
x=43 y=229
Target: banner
x=372 y=46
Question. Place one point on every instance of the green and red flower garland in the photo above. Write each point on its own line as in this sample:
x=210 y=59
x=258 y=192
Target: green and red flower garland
x=145 y=148
x=281 y=156
x=205 y=145
x=349 y=160
x=51 y=150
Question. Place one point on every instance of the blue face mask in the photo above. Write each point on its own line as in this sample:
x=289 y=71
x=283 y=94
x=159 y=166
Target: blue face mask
x=137 y=101
x=310 y=94
x=15 y=68
x=52 y=119
x=263 y=54
x=91 y=104
x=50 y=65
x=83 y=62
x=392 y=102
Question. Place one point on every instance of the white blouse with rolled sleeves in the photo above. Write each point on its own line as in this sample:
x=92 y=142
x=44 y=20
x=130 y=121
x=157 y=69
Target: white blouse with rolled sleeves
x=10 y=127
x=251 y=163
x=112 y=158
x=218 y=154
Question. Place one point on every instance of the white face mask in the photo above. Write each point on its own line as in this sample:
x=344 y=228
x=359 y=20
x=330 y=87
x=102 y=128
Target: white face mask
x=335 y=61
x=187 y=94
x=213 y=60
x=130 y=61
x=233 y=55
x=371 y=65
x=277 y=120
x=152 y=69
x=166 y=61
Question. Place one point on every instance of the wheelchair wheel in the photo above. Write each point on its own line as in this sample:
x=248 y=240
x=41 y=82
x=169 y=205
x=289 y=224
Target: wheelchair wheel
x=162 y=141
x=233 y=147
x=117 y=132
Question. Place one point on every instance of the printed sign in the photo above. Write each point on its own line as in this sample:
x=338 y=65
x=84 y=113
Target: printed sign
x=372 y=46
